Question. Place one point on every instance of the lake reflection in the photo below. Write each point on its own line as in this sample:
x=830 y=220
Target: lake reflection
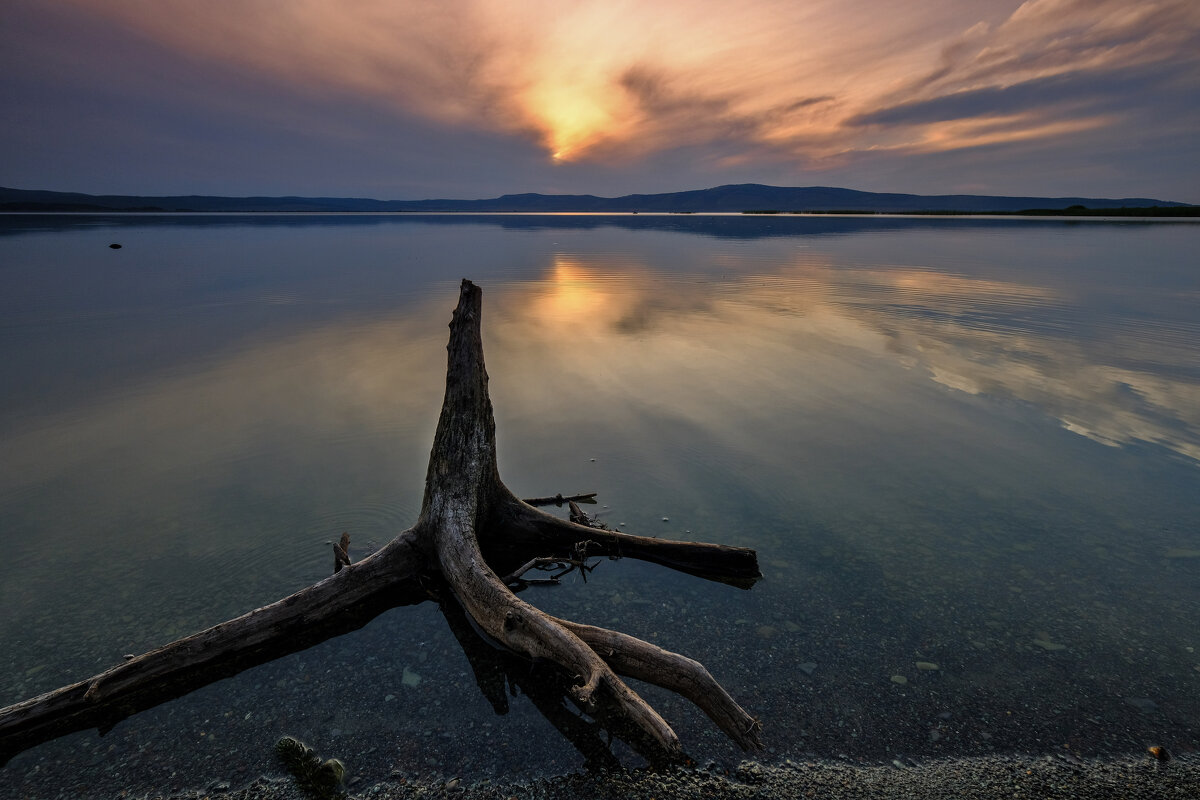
x=968 y=453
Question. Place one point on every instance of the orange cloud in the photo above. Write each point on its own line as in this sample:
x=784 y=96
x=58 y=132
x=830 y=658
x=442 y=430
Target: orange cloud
x=608 y=80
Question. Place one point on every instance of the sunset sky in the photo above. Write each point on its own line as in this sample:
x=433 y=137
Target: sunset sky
x=410 y=99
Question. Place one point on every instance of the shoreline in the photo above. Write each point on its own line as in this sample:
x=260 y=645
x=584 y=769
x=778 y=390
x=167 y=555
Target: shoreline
x=977 y=778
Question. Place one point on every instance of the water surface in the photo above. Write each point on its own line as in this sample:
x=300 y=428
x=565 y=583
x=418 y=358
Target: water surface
x=956 y=443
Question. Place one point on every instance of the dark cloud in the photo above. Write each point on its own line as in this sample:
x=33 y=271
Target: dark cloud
x=1082 y=90
x=806 y=102
x=660 y=95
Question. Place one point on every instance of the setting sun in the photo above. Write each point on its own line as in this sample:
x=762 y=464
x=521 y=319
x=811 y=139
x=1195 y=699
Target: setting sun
x=570 y=121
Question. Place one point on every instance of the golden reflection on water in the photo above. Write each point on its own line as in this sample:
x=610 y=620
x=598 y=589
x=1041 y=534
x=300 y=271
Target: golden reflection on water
x=831 y=357
x=765 y=340
x=615 y=337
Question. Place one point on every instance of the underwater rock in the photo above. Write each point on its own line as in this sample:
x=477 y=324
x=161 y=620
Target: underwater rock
x=1142 y=704
x=1183 y=552
x=1046 y=644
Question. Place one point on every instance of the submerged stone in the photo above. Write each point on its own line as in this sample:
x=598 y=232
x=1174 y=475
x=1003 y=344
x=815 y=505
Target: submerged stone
x=1183 y=552
x=1046 y=644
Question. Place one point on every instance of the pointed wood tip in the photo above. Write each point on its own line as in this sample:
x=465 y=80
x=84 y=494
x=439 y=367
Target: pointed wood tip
x=465 y=321
x=469 y=295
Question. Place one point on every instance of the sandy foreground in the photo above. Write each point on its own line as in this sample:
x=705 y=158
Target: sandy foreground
x=969 y=779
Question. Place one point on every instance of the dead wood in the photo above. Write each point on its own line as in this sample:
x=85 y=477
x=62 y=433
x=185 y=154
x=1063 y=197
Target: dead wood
x=559 y=499
x=470 y=530
x=341 y=553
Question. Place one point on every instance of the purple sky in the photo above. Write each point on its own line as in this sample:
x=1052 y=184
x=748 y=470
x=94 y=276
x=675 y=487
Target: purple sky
x=408 y=99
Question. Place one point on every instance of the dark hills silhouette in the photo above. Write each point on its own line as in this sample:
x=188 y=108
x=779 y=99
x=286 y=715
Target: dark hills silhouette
x=730 y=198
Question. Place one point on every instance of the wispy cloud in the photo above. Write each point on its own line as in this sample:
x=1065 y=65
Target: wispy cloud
x=1052 y=69
x=816 y=85
x=603 y=78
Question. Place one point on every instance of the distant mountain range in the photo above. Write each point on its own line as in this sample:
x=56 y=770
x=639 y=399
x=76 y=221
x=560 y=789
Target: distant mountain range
x=745 y=197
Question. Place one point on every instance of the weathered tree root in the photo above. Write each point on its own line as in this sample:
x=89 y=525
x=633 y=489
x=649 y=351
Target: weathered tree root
x=470 y=530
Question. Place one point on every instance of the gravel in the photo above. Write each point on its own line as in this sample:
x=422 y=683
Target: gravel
x=984 y=778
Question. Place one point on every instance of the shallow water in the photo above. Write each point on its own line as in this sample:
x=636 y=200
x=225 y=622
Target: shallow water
x=966 y=443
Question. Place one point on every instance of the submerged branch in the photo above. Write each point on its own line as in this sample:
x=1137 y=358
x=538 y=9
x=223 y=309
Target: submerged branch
x=339 y=604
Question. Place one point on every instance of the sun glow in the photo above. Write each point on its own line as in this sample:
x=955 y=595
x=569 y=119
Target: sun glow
x=570 y=120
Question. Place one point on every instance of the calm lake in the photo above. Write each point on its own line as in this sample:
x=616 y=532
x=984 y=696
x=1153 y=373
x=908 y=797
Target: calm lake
x=967 y=452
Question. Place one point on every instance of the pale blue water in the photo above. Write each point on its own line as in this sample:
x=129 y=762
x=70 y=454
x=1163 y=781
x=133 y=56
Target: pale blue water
x=963 y=442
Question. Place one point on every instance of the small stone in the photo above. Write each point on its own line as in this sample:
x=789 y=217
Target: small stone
x=410 y=678
x=899 y=679
x=927 y=666
x=666 y=519
x=765 y=631
x=1142 y=704
x=808 y=667
x=1046 y=644
x=389 y=698
x=453 y=784
x=1183 y=552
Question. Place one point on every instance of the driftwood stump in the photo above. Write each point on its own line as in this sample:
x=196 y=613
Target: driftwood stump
x=471 y=530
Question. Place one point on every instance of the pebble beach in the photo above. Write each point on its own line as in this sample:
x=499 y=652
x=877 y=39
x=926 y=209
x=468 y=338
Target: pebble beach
x=984 y=778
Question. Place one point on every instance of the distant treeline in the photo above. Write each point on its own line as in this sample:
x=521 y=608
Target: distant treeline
x=1070 y=211
x=73 y=208
x=731 y=198
x=1084 y=211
